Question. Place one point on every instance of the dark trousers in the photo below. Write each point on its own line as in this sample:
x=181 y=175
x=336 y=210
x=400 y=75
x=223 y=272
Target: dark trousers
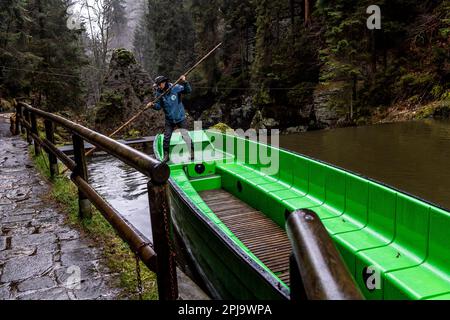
x=170 y=128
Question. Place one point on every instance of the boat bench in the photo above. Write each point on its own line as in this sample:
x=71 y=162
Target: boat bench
x=372 y=225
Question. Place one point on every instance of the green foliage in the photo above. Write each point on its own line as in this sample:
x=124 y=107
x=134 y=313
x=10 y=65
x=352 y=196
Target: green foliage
x=415 y=84
x=300 y=94
x=222 y=127
x=165 y=48
x=125 y=57
x=262 y=98
x=403 y=61
x=40 y=57
x=111 y=103
x=132 y=134
x=437 y=110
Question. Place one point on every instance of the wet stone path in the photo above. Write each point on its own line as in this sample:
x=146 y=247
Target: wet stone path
x=41 y=258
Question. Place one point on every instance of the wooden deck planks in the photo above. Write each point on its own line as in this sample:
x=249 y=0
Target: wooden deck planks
x=261 y=235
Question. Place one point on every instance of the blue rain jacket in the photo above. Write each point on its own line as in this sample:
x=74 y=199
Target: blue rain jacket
x=172 y=103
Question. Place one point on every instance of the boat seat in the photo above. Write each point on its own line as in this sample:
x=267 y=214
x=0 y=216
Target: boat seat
x=354 y=208
x=379 y=230
x=408 y=249
x=431 y=278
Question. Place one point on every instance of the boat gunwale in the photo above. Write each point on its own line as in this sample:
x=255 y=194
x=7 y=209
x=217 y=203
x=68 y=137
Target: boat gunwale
x=359 y=175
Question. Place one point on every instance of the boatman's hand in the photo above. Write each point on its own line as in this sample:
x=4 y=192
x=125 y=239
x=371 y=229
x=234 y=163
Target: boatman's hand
x=150 y=105
x=183 y=78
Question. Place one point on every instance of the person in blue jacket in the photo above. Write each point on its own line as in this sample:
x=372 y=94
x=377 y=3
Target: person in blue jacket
x=172 y=105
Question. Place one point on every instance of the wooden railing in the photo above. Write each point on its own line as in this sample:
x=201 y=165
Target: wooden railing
x=317 y=269
x=157 y=256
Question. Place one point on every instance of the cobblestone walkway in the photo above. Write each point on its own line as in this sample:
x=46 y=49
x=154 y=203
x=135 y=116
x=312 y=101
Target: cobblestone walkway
x=40 y=257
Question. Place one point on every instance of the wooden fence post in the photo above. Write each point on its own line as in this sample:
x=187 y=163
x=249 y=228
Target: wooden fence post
x=17 y=123
x=166 y=266
x=27 y=119
x=52 y=159
x=84 y=205
x=34 y=130
x=22 y=124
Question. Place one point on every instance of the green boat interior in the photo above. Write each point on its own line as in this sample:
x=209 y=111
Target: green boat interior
x=372 y=225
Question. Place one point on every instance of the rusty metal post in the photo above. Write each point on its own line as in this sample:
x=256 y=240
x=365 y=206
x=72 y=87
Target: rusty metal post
x=18 y=117
x=323 y=273
x=52 y=159
x=27 y=119
x=298 y=292
x=84 y=205
x=160 y=219
x=147 y=148
x=34 y=129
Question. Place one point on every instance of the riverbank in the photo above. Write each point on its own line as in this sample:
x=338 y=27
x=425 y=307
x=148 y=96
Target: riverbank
x=406 y=112
x=399 y=112
x=41 y=256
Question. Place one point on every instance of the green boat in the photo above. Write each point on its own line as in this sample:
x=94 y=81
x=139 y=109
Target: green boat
x=228 y=213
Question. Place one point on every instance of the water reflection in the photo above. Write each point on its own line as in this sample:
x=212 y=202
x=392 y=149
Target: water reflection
x=124 y=188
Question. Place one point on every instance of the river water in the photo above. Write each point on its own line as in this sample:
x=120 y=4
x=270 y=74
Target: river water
x=411 y=156
x=124 y=188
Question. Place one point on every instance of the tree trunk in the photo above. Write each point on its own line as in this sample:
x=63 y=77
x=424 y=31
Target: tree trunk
x=292 y=11
x=385 y=53
x=374 y=53
x=307 y=13
x=354 y=96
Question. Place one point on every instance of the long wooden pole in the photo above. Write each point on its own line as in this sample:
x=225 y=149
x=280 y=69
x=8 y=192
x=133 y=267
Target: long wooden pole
x=148 y=106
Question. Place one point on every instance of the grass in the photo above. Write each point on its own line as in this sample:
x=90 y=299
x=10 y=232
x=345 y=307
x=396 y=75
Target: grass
x=118 y=254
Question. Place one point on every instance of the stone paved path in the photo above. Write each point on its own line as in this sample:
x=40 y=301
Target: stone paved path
x=40 y=257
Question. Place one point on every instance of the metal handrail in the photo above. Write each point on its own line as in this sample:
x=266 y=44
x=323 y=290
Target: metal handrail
x=157 y=257
x=157 y=171
x=317 y=269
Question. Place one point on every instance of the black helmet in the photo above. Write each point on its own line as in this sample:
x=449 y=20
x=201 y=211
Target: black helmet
x=161 y=79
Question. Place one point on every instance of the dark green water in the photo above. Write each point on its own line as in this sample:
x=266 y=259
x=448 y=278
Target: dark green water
x=411 y=156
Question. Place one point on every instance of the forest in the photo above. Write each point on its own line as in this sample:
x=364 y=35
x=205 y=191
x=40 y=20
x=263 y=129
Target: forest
x=292 y=64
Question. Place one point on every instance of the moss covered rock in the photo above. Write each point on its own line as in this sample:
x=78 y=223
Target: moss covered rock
x=127 y=88
x=222 y=127
x=5 y=105
x=124 y=57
